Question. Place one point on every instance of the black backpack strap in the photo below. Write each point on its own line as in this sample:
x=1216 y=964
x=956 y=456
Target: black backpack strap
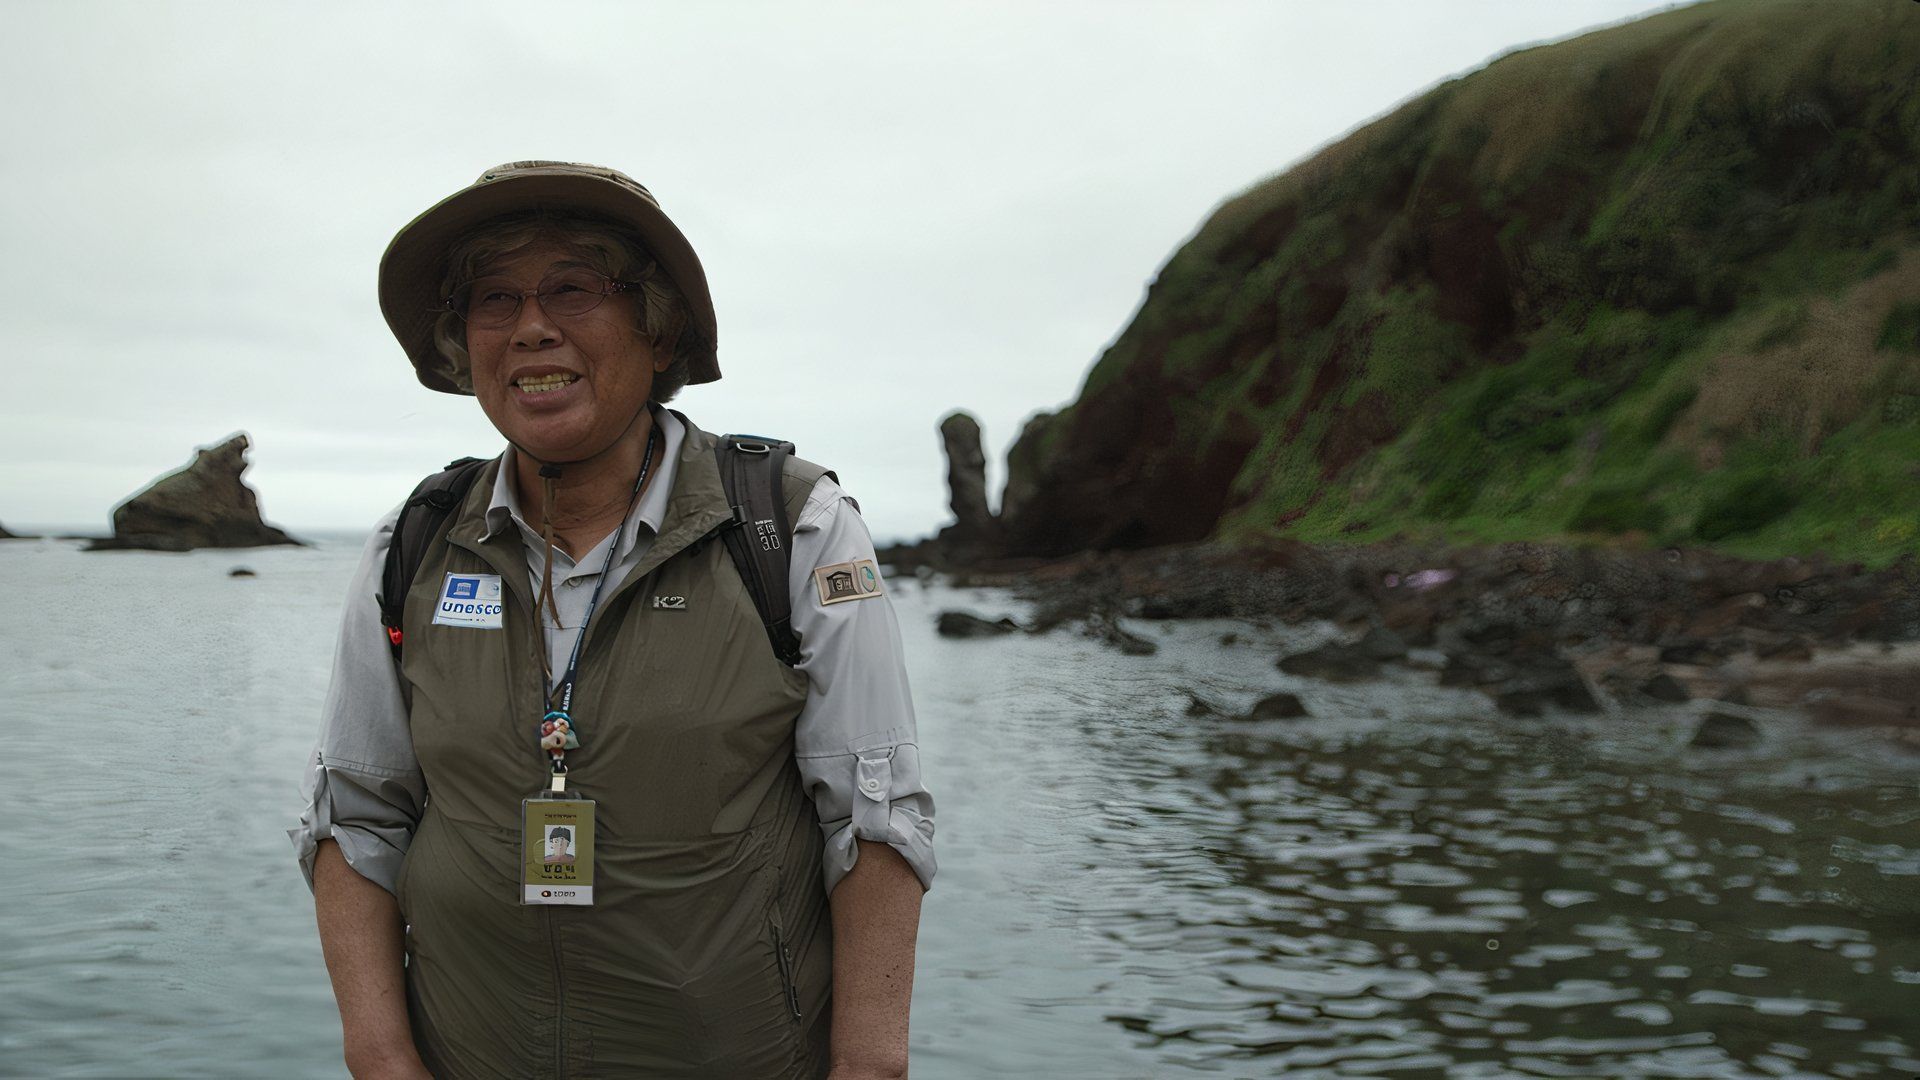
x=760 y=536
x=419 y=522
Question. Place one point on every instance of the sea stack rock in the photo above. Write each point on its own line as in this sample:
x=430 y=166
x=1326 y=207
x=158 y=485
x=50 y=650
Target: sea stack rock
x=966 y=480
x=205 y=505
x=5 y=535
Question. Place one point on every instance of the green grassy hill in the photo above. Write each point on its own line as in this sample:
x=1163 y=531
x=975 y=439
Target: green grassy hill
x=1659 y=284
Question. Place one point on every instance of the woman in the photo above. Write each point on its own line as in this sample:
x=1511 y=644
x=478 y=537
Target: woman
x=617 y=685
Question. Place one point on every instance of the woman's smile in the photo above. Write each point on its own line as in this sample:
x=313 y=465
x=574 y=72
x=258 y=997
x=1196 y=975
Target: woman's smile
x=563 y=388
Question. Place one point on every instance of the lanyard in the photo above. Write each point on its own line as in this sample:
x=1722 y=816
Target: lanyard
x=559 y=717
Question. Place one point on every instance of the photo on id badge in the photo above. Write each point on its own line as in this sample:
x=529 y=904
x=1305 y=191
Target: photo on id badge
x=559 y=846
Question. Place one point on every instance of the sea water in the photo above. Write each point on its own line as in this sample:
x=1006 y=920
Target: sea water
x=1402 y=884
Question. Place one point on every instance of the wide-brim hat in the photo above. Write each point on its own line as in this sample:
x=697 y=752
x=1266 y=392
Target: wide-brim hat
x=415 y=263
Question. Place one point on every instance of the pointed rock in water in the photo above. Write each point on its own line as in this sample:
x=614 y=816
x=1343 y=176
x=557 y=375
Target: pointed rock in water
x=5 y=535
x=205 y=505
x=960 y=624
x=1282 y=706
x=1725 y=731
x=966 y=479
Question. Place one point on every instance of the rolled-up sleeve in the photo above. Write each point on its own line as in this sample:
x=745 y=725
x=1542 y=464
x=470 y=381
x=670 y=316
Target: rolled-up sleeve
x=362 y=785
x=855 y=742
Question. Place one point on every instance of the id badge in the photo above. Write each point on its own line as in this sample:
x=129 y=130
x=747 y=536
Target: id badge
x=556 y=843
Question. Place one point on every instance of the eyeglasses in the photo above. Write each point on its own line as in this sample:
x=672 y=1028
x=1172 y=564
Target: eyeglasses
x=494 y=302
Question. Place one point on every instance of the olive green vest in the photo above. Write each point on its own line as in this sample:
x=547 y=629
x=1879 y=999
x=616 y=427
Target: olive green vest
x=708 y=949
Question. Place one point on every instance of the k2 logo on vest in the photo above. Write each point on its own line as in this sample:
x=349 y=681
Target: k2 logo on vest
x=670 y=603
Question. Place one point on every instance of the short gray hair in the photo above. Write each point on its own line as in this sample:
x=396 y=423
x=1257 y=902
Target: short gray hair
x=606 y=246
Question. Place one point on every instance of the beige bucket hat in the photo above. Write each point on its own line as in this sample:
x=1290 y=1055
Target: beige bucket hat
x=416 y=260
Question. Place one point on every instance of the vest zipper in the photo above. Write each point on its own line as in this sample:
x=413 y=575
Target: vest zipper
x=786 y=970
x=559 y=1002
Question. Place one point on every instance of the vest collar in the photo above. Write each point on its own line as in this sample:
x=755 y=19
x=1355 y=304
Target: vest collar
x=696 y=505
x=503 y=507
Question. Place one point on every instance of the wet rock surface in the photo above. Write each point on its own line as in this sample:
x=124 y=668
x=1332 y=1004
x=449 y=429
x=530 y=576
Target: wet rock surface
x=204 y=505
x=1725 y=731
x=1281 y=706
x=1105 y=628
x=1664 y=687
x=1199 y=706
x=1333 y=662
x=1537 y=628
x=962 y=624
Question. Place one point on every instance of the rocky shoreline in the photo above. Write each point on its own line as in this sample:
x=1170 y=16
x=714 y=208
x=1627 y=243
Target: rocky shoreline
x=1536 y=627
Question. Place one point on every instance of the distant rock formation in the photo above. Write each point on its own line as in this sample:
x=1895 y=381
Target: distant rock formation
x=966 y=480
x=5 y=535
x=205 y=505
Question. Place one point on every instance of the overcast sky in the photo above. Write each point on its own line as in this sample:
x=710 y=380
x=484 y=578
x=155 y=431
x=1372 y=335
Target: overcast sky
x=902 y=209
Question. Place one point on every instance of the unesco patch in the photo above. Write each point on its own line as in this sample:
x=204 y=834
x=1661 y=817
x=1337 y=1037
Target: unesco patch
x=469 y=600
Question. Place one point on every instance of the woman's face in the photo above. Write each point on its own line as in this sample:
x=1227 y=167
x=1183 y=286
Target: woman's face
x=596 y=368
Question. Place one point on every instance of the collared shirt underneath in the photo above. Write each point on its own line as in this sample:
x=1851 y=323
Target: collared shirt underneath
x=363 y=786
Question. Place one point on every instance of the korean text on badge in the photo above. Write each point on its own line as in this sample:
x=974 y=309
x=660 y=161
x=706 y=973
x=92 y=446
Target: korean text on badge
x=556 y=837
x=840 y=582
x=469 y=600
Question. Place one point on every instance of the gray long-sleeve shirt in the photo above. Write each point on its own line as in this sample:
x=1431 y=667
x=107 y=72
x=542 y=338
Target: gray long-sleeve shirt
x=855 y=741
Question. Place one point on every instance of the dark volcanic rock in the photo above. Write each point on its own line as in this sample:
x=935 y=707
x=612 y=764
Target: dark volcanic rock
x=1199 y=706
x=1785 y=648
x=1531 y=695
x=5 y=535
x=1664 y=687
x=1853 y=710
x=242 y=571
x=1333 y=661
x=1470 y=669
x=1280 y=706
x=1102 y=627
x=966 y=480
x=1524 y=682
x=1689 y=652
x=960 y=624
x=1725 y=731
x=205 y=505
x=1382 y=644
